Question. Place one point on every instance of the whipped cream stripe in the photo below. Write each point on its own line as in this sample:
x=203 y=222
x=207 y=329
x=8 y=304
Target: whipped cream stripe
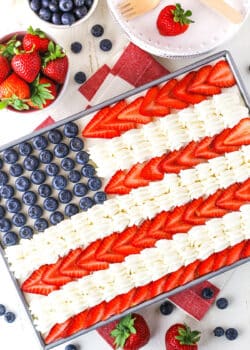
x=169 y=133
x=140 y=269
x=124 y=211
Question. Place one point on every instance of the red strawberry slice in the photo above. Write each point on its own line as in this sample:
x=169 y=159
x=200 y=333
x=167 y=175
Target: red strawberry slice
x=132 y=113
x=219 y=143
x=173 y=279
x=180 y=91
x=141 y=295
x=111 y=120
x=246 y=250
x=151 y=170
x=53 y=275
x=234 y=253
x=243 y=193
x=158 y=287
x=142 y=238
x=189 y=273
x=78 y=323
x=170 y=164
x=206 y=266
x=112 y=307
x=192 y=214
x=105 y=252
x=209 y=209
x=240 y=134
x=204 y=149
x=69 y=265
x=123 y=245
x=96 y=314
x=149 y=105
x=221 y=75
x=87 y=259
x=34 y=284
x=159 y=222
x=133 y=178
x=175 y=222
x=220 y=259
x=198 y=84
x=166 y=98
x=116 y=184
x=187 y=157
x=59 y=331
x=227 y=200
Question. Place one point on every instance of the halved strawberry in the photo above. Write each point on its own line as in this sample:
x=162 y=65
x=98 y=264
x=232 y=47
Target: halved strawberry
x=173 y=279
x=219 y=143
x=243 y=193
x=220 y=259
x=116 y=184
x=209 y=209
x=141 y=295
x=149 y=105
x=158 y=223
x=192 y=214
x=175 y=222
x=206 y=266
x=221 y=75
x=169 y=163
x=133 y=178
x=166 y=98
x=180 y=91
x=59 y=331
x=189 y=273
x=77 y=323
x=111 y=120
x=198 y=84
x=151 y=170
x=245 y=253
x=132 y=113
x=239 y=135
x=187 y=157
x=112 y=307
x=87 y=259
x=157 y=287
x=234 y=253
x=96 y=314
x=105 y=252
x=53 y=275
x=123 y=245
x=204 y=148
x=69 y=265
x=227 y=200
x=142 y=238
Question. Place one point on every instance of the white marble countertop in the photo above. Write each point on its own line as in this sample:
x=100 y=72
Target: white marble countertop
x=235 y=284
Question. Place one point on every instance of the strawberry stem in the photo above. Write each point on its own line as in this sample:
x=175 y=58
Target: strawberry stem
x=37 y=32
x=54 y=51
x=8 y=49
x=181 y=16
x=123 y=330
x=40 y=93
x=15 y=102
x=187 y=337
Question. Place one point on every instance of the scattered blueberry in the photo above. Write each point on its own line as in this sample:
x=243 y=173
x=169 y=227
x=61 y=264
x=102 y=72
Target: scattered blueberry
x=82 y=157
x=105 y=45
x=29 y=198
x=80 y=12
x=3 y=178
x=10 y=156
x=44 y=190
x=9 y=317
x=71 y=209
x=16 y=170
x=218 y=332
x=2 y=309
x=231 y=333
x=100 y=197
x=76 y=47
x=40 y=142
x=5 y=225
x=25 y=149
x=61 y=150
x=7 y=191
x=166 y=308
x=76 y=144
x=65 y=196
x=40 y=225
x=26 y=232
x=88 y=170
x=50 y=204
x=31 y=163
x=207 y=293
x=52 y=169
x=59 y=182
x=222 y=303
x=13 y=205
x=46 y=156
x=35 y=5
x=68 y=18
x=67 y=164
x=94 y=183
x=55 y=136
x=74 y=176
x=37 y=177
x=97 y=30
x=19 y=219
x=86 y=203
x=56 y=217
x=66 y=5
x=56 y=18
x=2 y=211
x=70 y=129
x=70 y=347
x=80 y=77
x=35 y=211
x=10 y=238
x=22 y=183
x=45 y=14
x=80 y=189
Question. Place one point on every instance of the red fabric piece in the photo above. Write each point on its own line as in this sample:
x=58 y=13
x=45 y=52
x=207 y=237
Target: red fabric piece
x=48 y=121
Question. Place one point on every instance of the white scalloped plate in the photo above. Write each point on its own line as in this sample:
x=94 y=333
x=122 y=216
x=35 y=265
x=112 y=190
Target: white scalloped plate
x=209 y=30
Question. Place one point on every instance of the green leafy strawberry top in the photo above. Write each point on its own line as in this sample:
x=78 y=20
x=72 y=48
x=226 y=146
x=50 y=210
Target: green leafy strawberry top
x=123 y=330
x=54 y=51
x=8 y=49
x=186 y=336
x=37 y=32
x=181 y=16
x=40 y=93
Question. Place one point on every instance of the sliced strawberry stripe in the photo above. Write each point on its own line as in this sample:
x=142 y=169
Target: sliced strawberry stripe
x=221 y=75
x=133 y=178
x=116 y=184
x=150 y=107
x=60 y=330
x=132 y=113
x=199 y=85
x=166 y=98
x=180 y=91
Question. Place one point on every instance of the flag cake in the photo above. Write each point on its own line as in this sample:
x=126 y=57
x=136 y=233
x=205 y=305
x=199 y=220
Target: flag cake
x=174 y=161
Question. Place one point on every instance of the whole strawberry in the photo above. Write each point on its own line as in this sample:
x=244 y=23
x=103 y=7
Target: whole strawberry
x=180 y=337
x=4 y=68
x=129 y=333
x=173 y=20
x=43 y=93
x=27 y=65
x=55 y=63
x=35 y=39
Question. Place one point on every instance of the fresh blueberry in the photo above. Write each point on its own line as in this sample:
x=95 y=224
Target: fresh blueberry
x=222 y=303
x=94 y=184
x=50 y=204
x=59 y=182
x=61 y=150
x=74 y=176
x=80 y=190
x=16 y=170
x=82 y=157
x=88 y=170
x=5 y=225
x=67 y=164
x=55 y=136
x=86 y=203
x=26 y=232
x=37 y=177
x=79 y=3
x=35 y=211
x=52 y=169
x=207 y=293
x=31 y=163
x=218 y=332
x=7 y=191
x=46 y=156
x=97 y=30
x=35 y=5
x=29 y=198
x=76 y=144
x=56 y=217
x=41 y=224
x=10 y=238
x=66 y=5
x=44 y=190
x=13 y=205
x=71 y=209
x=45 y=14
x=2 y=309
x=9 y=317
x=10 y=156
x=166 y=308
x=40 y=142
x=70 y=129
x=68 y=18
x=80 y=12
x=100 y=197
x=76 y=47
x=25 y=149
x=65 y=196
x=88 y=3
x=53 y=6
x=70 y=347
x=231 y=333
x=22 y=183
x=19 y=219
x=2 y=211
x=45 y=3
x=80 y=77
x=3 y=178
x=105 y=45
x=56 y=18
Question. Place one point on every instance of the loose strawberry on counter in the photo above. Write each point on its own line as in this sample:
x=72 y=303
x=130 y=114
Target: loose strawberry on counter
x=180 y=337
x=173 y=20
x=129 y=333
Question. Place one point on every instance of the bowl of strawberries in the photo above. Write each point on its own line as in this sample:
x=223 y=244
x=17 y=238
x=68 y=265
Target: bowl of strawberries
x=33 y=71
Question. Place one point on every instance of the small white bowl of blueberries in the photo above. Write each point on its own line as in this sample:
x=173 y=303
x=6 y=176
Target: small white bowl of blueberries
x=63 y=13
